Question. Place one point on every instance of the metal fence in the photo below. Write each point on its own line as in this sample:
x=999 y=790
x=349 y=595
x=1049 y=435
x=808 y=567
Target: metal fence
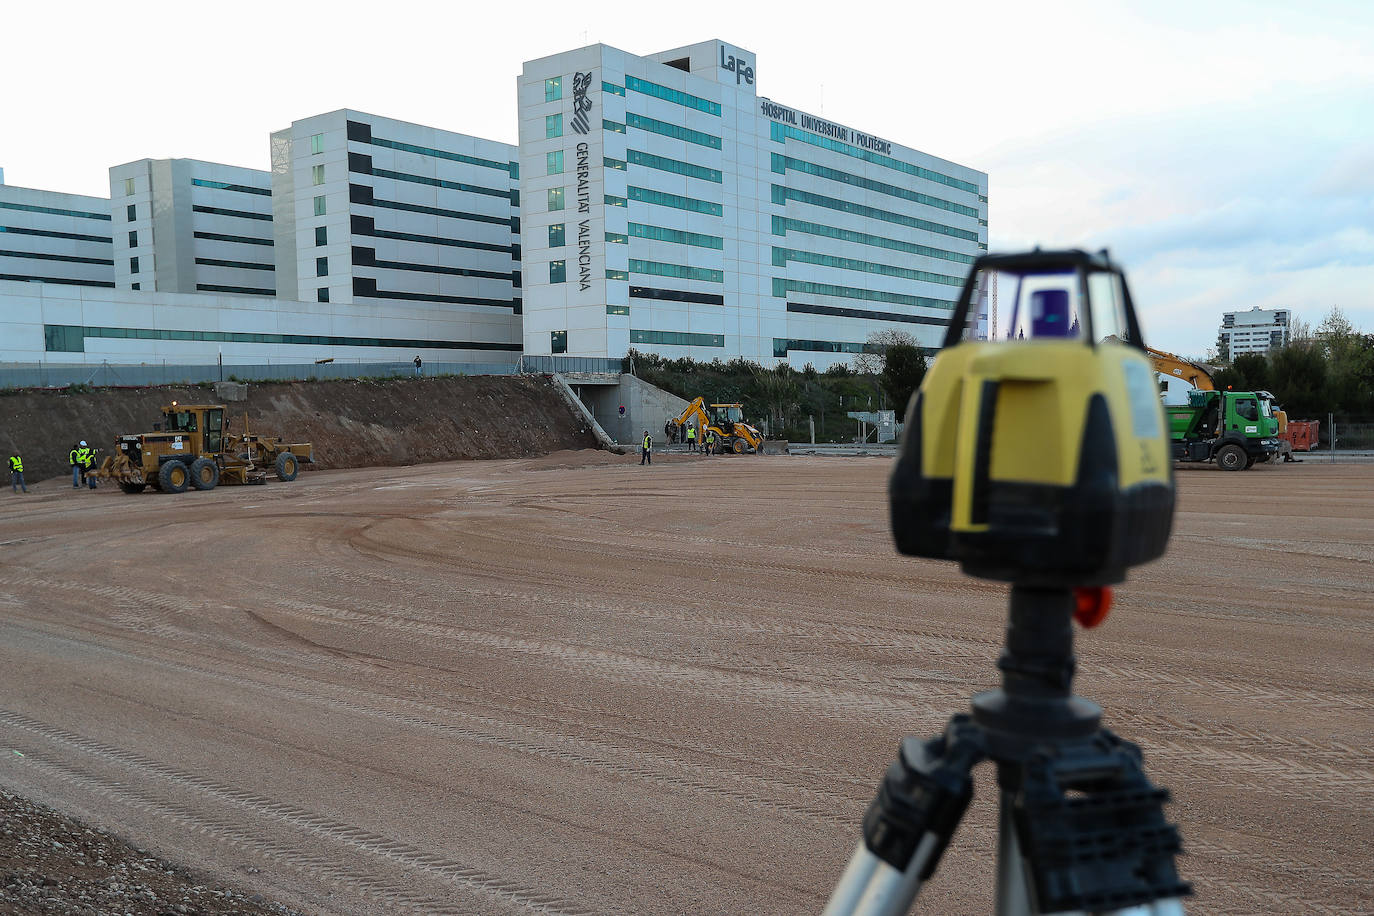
x=56 y=375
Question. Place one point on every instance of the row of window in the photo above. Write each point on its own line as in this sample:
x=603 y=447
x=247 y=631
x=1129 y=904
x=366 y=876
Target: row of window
x=226 y=186
x=508 y=193
x=242 y=265
x=510 y=168
x=513 y=221
x=676 y=236
x=781 y=346
x=51 y=234
x=54 y=211
x=782 y=287
x=617 y=238
x=782 y=195
x=832 y=311
x=664 y=199
x=783 y=225
x=215 y=237
x=676 y=96
x=44 y=256
x=242 y=290
x=664 y=164
x=369 y=228
x=221 y=211
x=782 y=163
x=612 y=88
x=61 y=338
x=612 y=201
x=615 y=127
x=65 y=281
x=679 y=271
x=366 y=288
x=677 y=338
x=782 y=255
x=782 y=132
x=618 y=310
x=610 y=163
x=676 y=131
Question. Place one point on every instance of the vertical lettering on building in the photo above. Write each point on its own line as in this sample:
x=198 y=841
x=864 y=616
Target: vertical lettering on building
x=582 y=103
x=584 y=226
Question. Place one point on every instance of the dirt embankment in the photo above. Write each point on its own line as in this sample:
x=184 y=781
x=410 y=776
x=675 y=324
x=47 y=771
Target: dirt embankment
x=352 y=423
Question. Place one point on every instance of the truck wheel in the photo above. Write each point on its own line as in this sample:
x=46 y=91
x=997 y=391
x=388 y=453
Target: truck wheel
x=1232 y=458
x=287 y=466
x=130 y=487
x=204 y=474
x=738 y=446
x=173 y=477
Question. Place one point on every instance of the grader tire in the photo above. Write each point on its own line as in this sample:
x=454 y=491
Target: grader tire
x=131 y=488
x=173 y=477
x=204 y=474
x=287 y=466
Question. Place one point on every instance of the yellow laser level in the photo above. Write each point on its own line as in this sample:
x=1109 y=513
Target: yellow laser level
x=1039 y=456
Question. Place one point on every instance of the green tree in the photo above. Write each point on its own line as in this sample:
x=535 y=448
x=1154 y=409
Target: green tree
x=904 y=367
x=1297 y=376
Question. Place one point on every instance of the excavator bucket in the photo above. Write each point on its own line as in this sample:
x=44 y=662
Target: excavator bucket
x=774 y=447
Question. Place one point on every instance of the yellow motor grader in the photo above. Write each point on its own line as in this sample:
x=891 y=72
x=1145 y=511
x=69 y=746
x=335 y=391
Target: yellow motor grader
x=192 y=448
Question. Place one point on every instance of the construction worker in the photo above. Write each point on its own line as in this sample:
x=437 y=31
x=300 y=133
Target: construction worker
x=645 y=451
x=86 y=456
x=710 y=439
x=418 y=363
x=76 y=466
x=691 y=438
x=17 y=474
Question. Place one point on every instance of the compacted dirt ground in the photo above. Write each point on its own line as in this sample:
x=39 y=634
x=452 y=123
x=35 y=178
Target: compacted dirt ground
x=571 y=685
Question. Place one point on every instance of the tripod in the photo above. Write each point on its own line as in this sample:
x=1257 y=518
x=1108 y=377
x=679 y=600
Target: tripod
x=1081 y=828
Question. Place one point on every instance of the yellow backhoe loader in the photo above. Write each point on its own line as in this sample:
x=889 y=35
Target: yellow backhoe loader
x=726 y=421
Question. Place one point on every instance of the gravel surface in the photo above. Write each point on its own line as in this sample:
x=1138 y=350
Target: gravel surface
x=574 y=686
x=49 y=863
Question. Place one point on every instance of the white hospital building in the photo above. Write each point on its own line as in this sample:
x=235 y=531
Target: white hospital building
x=667 y=207
x=655 y=203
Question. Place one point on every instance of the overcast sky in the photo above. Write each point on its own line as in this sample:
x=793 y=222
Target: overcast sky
x=1223 y=151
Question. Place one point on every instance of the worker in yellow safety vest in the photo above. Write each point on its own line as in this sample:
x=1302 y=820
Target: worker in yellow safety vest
x=710 y=439
x=646 y=450
x=85 y=456
x=17 y=474
x=691 y=438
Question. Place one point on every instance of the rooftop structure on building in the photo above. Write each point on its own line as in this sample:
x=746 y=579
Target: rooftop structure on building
x=1255 y=331
x=668 y=207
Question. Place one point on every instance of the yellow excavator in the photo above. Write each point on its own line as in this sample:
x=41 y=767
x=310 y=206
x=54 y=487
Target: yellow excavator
x=726 y=421
x=1178 y=367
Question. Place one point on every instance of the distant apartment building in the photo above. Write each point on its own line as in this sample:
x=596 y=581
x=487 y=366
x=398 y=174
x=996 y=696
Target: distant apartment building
x=51 y=237
x=373 y=210
x=186 y=226
x=1256 y=331
x=670 y=208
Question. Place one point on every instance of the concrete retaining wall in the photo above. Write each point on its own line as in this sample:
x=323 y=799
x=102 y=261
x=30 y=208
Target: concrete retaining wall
x=646 y=407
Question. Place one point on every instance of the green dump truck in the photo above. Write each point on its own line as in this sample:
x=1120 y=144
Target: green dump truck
x=1233 y=428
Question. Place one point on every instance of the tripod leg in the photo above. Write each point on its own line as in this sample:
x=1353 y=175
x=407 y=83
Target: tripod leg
x=1013 y=892
x=909 y=823
x=872 y=887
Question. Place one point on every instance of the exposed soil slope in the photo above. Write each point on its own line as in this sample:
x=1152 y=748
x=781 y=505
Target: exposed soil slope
x=350 y=423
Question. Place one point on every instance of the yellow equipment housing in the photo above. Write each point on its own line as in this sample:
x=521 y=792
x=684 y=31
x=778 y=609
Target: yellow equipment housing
x=1043 y=458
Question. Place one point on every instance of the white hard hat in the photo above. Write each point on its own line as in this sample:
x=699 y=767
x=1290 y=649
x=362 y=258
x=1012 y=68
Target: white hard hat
x=83 y=443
